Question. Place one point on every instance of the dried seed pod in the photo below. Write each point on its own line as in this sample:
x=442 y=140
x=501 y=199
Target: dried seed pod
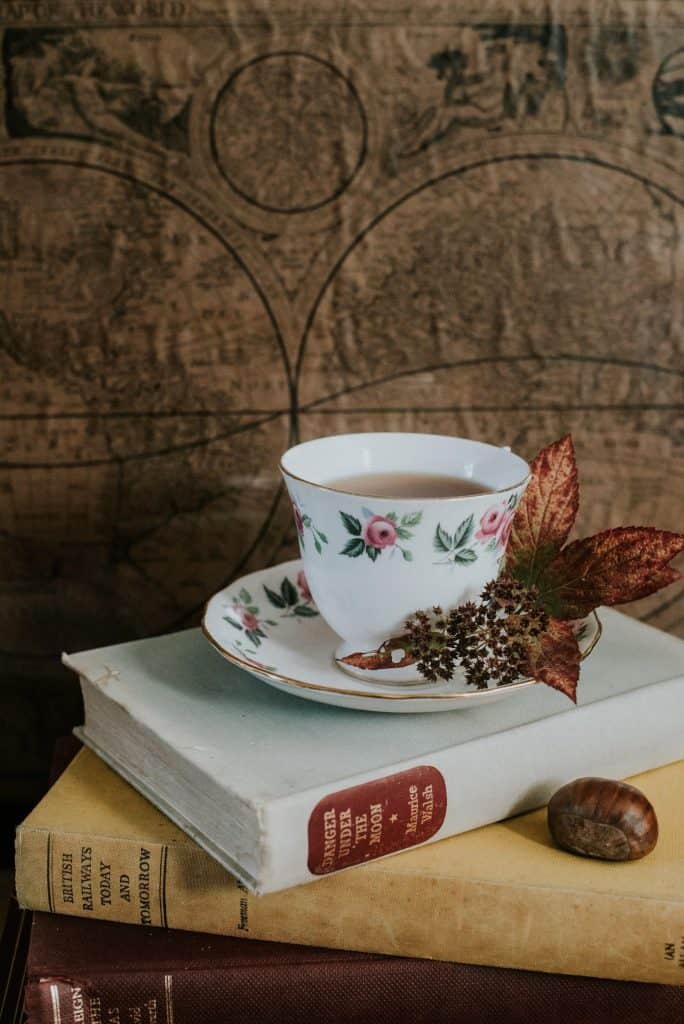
x=603 y=818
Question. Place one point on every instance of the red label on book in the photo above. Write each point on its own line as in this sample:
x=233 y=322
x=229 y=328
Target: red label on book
x=376 y=818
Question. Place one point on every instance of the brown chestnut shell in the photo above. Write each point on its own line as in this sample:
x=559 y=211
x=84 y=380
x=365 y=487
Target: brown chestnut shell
x=603 y=818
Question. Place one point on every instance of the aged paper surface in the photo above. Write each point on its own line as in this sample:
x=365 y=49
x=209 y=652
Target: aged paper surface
x=225 y=226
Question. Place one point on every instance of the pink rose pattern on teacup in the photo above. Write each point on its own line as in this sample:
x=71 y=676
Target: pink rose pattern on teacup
x=303 y=522
x=490 y=522
x=304 y=587
x=496 y=524
x=506 y=527
x=243 y=614
x=465 y=544
x=378 y=533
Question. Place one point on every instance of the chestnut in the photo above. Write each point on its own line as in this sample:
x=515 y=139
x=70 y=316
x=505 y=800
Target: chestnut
x=603 y=818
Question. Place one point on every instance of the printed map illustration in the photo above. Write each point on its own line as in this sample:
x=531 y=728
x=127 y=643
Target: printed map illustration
x=220 y=233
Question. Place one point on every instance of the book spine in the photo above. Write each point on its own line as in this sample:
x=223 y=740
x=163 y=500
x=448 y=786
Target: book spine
x=126 y=997
x=400 y=913
x=318 y=832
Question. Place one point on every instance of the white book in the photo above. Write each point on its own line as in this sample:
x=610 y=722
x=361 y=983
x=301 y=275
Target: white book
x=282 y=791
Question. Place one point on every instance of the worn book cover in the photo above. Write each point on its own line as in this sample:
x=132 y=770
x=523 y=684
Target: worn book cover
x=282 y=791
x=501 y=895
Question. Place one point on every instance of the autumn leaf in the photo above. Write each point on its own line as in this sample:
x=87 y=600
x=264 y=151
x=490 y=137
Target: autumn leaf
x=546 y=512
x=612 y=567
x=555 y=585
x=554 y=658
x=380 y=659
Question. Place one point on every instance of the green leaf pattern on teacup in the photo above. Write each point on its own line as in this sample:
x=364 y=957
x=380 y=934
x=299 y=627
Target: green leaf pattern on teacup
x=290 y=600
x=456 y=546
x=377 y=533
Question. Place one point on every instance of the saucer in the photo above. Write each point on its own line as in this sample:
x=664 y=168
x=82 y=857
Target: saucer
x=267 y=624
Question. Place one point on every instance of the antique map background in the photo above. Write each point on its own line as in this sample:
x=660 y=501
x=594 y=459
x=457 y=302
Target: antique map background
x=227 y=226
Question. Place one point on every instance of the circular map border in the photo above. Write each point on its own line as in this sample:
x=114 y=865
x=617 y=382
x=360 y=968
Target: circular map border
x=289 y=413
x=187 y=207
x=436 y=180
x=309 y=208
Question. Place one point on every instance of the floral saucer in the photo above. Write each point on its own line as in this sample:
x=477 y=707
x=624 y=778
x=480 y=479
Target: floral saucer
x=267 y=624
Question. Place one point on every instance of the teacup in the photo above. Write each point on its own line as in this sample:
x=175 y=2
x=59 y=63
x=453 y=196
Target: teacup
x=371 y=562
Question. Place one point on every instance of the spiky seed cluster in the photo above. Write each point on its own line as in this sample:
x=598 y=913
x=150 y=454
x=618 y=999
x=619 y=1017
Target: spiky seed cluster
x=429 y=641
x=490 y=638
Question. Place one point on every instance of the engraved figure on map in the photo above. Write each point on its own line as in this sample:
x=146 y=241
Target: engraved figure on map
x=74 y=83
x=495 y=75
x=668 y=94
x=611 y=64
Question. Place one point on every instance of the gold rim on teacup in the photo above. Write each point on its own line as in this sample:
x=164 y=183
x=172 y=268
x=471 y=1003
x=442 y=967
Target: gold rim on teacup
x=389 y=497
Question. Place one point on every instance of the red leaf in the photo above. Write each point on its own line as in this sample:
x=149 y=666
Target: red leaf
x=546 y=511
x=609 y=568
x=555 y=658
x=380 y=659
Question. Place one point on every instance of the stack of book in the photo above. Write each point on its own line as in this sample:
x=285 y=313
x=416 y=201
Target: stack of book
x=384 y=862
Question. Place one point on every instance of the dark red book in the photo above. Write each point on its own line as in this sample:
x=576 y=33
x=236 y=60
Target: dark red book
x=92 y=972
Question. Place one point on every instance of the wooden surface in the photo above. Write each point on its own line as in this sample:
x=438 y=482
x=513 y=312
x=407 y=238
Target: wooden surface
x=223 y=228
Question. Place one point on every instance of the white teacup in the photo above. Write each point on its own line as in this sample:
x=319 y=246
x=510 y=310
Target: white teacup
x=370 y=562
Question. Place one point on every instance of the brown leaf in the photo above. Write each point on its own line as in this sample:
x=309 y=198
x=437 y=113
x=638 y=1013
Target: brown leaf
x=380 y=659
x=555 y=658
x=611 y=567
x=546 y=511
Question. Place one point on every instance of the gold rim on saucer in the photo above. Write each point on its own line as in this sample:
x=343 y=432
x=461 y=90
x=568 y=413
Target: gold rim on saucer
x=302 y=684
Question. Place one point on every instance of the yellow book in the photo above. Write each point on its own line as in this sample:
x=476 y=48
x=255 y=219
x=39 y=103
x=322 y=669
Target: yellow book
x=500 y=895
